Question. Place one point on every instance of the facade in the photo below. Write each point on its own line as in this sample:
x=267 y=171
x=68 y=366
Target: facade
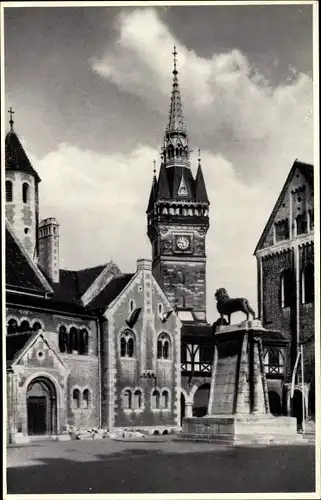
x=96 y=347
x=285 y=263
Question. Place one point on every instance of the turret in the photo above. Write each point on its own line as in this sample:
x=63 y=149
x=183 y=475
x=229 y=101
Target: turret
x=22 y=198
x=49 y=248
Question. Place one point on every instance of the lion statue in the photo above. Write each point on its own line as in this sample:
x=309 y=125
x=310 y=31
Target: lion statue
x=227 y=306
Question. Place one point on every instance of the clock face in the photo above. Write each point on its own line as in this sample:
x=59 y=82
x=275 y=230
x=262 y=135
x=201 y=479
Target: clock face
x=182 y=242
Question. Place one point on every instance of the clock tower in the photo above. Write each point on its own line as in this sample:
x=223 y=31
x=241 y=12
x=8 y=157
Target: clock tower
x=177 y=217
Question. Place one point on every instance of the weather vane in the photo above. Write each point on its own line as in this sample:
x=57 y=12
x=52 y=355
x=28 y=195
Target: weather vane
x=11 y=113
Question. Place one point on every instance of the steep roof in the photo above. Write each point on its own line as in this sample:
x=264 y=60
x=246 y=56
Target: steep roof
x=162 y=184
x=21 y=273
x=200 y=189
x=307 y=170
x=152 y=196
x=87 y=276
x=15 y=156
x=15 y=343
x=110 y=292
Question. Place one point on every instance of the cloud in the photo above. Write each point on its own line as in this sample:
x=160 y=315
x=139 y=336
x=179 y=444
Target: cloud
x=231 y=109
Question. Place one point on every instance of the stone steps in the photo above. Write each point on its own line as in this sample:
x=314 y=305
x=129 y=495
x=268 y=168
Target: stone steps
x=245 y=440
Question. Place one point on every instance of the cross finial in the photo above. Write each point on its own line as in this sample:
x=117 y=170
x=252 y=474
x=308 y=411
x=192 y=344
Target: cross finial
x=175 y=59
x=154 y=168
x=11 y=112
x=199 y=155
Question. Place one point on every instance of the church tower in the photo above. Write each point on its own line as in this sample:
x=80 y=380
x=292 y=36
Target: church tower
x=177 y=217
x=22 y=198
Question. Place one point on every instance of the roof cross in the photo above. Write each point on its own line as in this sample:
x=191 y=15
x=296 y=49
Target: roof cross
x=11 y=112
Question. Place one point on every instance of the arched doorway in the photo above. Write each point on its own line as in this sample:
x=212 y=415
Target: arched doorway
x=41 y=407
x=275 y=403
x=297 y=410
x=182 y=407
x=201 y=398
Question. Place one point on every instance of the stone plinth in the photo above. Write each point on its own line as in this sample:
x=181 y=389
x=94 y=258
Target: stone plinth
x=238 y=408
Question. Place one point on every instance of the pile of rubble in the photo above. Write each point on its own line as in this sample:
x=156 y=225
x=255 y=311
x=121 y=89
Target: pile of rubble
x=125 y=434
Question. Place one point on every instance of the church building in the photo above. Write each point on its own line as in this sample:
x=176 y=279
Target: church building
x=97 y=347
x=285 y=267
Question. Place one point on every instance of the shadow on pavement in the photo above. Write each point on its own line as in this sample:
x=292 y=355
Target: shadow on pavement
x=247 y=470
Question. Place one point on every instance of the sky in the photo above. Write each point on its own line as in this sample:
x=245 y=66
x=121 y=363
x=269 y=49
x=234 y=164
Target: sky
x=90 y=87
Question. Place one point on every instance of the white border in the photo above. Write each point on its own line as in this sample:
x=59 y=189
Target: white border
x=316 y=242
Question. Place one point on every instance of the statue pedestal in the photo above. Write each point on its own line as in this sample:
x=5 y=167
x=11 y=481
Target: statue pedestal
x=238 y=408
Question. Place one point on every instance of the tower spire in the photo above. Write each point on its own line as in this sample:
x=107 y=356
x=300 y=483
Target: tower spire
x=176 y=121
x=175 y=147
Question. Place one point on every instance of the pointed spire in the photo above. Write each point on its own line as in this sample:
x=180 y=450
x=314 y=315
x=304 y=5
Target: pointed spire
x=15 y=156
x=175 y=148
x=162 y=186
x=152 y=196
x=176 y=121
x=200 y=189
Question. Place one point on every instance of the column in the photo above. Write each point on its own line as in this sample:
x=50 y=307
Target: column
x=188 y=410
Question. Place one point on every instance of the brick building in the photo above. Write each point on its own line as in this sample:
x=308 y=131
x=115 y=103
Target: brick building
x=285 y=264
x=96 y=347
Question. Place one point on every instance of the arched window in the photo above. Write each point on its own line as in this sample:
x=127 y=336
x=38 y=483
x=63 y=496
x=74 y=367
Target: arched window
x=74 y=340
x=165 y=399
x=307 y=284
x=287 y=288
x=123 y=347
x=25 y=192
x=36 y=326
x=62 y=339
x=86 y=399
x=76 y=399
x=163 y=346
x=155 y=400
x=83 y=341
x=127 y=344
x=9 y=191
x=138 y=399
x=12 y=326
x=127 y=399
x=130 y=348
x=25 y=326
x=131 y=306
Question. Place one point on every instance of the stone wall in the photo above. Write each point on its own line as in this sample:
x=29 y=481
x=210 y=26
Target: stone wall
x=129 y=373
x=23 y=216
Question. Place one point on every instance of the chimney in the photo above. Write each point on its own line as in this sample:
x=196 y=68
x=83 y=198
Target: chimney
x=48 y=237
x=144 y=265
